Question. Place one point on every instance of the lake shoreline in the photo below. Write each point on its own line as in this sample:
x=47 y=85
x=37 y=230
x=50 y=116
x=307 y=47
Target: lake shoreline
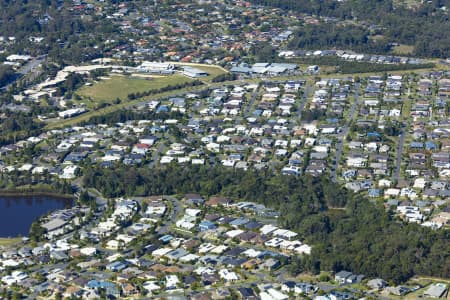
x=25 y=193
x=19 y=209
x=9 y=241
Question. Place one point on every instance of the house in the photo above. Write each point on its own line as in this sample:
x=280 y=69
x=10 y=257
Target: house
x=356 y=160
x=151 y=286
x=216 y=201
x=148 y=140
x=59 y=255
x=171 y=282
x=129 y=290
x=313 y=69
x=116 y=266
x=288 y=286
x=109 y=287
x=228 y=276
x=246 y=293
x=69 y=172
x=250 y=264
x=15 y=278
x=271 y=264
x=336 y=295
x=398 y=290
x=73 y=291
x=342 y=276
x=206 y=225
x=273 y=294
x=305 y=288
x=221 y=293
x=141 y=149
x=239 y=222
x=376 y=283
x=437 y=290
x=194 y=199
x=166 y=238
x=176 y=254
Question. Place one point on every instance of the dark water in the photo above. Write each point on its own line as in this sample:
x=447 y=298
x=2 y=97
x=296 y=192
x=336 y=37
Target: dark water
x=18 y=212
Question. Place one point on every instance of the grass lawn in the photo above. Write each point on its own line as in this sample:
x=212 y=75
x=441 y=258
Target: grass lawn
x=9 y=241
x=57 y=123
x=120 y=86
x=407 y=3
x=406 y=109
x=403 y=49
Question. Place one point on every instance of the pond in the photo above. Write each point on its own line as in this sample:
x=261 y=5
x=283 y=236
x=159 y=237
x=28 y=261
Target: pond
x=18 y=212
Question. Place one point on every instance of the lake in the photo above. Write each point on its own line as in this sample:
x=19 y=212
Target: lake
x=18 y=212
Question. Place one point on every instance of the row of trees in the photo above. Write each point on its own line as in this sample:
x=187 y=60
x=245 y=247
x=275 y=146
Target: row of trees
x=224 y=77
x=347 y=231
x=167 y=88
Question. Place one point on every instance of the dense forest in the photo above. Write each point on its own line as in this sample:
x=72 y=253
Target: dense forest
x=17 y=126
x=347 y=231
x=328 y=36
x=424 y=27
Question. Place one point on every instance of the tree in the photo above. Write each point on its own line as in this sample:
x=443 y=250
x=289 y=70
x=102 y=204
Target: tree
x=36 y=231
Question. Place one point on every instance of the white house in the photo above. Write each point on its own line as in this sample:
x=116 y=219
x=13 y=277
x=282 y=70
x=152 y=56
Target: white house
x=172 y=282
x=228 y=276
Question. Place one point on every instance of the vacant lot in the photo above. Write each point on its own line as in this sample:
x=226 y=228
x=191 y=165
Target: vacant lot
x=403 y=49
x=116 y=86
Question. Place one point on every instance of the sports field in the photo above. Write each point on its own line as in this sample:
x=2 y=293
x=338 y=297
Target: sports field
x=117 y=86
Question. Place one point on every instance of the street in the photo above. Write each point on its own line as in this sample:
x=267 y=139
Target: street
x=344 y=132
x=398 y=161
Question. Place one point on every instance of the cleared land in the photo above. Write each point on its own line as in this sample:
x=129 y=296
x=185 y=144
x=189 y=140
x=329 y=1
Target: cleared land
x=408 y=3
x=403 y=49
x=116 y=86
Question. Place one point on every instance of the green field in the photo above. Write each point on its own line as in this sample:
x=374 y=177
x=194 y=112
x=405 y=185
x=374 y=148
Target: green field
x=57 y=123
x=9 y=241
x=108 y=90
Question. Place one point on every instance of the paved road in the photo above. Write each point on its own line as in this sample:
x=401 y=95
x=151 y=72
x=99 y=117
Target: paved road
x=302 y=105
x=398 y=161
x=344 y=132
x=175 y=212
x=156 y=154
x=31 y=65
x=250 y=103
